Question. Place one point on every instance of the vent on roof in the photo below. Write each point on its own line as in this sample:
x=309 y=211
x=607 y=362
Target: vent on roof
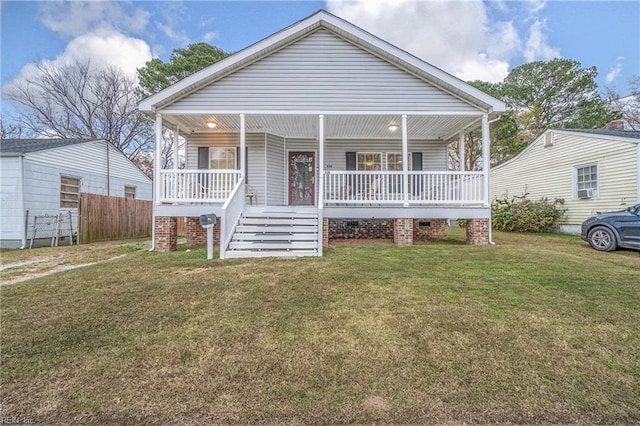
x=548 y=139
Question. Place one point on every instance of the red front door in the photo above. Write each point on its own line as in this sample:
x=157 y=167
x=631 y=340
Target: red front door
x=302 y=178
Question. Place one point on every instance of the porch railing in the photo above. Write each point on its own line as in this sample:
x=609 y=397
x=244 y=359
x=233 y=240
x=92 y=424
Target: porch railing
x=195 y=186
x=386 y=187
x=231 y=211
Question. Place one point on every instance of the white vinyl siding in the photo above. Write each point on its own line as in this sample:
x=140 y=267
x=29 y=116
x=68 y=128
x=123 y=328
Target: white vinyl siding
x=11 y=211
x=275 y=169
x=550 y=172
x=317 y=73
x=91 y=158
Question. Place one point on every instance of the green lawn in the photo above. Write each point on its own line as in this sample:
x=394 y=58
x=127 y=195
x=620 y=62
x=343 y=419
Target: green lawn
x=534 y=329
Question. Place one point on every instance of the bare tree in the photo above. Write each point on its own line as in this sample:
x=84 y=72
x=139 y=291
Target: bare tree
x=629 y=106
x=9 y=129
x=80 y=101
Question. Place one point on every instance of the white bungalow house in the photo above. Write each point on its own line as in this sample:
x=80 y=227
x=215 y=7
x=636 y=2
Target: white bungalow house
x=318 y=131
x=44 y=177
x=592 y=170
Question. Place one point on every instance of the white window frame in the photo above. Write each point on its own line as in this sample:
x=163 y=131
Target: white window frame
x=358 y=162
x=63 y=193
x=387 y=162
x=230 y=148
x=576 y=184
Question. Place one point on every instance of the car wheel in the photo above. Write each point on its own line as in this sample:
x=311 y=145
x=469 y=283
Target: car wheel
x=602 y=239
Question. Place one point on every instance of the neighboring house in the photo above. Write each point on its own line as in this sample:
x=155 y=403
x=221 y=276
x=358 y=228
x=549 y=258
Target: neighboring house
x=45 y=177
x=332 y=132
x=592 y=170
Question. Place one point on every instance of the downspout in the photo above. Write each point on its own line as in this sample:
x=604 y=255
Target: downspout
x=487 y=162
x=23 y=213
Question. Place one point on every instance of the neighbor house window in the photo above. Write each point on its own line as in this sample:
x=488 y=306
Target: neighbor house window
x=222 y=158
x=129 y=192
x=394 y=161
x=69 y=191
x=587 y=177
x=369 y=161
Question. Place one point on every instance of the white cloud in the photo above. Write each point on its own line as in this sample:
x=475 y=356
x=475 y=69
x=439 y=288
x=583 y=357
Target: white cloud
x=614 y=71
x=537 y=47
x=536 y=6
x=75 y=18
x=208 y=37
x=455 y=36
x=103 y=47
x=174 y=14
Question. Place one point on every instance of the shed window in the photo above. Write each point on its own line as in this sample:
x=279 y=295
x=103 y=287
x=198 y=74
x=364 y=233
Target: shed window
x=222 y=158
x=129 y=192
x=587 y=177
x=69 y=192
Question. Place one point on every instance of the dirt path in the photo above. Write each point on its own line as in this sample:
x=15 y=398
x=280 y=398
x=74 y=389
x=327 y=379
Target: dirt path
x=18 y=266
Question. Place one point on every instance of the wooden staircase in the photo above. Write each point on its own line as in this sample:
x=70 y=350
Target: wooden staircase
x=276 y=232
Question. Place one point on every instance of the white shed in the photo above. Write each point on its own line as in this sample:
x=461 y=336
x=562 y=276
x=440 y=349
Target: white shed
x=592 y=170
x=40 y=177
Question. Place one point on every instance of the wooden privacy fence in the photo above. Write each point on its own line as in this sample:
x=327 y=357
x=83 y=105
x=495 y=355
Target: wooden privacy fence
x=104 y=218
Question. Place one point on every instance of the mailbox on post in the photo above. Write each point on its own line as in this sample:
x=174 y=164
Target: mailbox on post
x=208 y=221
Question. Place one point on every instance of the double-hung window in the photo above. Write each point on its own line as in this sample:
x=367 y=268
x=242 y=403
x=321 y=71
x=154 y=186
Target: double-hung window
x=586 y=178
x=223 y=158
x=129 y=192
x=369 y=161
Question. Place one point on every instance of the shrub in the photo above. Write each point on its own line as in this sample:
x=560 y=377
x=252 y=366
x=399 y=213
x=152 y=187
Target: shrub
x=520 y=214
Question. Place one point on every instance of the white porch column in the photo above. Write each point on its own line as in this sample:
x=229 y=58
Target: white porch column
x=486 y=154
x=461 y=152
x=158 y=159
x=321 y=160
x=243 y=145
x=405 y=161
x=176 y=136
x=320 y=189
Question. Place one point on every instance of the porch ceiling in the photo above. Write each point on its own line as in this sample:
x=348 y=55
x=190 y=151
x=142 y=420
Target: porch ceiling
x=336 y=126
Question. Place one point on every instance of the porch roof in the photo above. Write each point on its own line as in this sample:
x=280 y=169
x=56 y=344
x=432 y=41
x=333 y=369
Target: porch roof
x=338 y=126
x=412 y=65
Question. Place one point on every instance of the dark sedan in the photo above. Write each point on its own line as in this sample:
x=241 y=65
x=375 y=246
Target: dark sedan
x=608 y=231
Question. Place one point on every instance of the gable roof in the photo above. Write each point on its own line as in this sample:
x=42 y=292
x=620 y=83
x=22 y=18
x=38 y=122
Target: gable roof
x=618 y=133
x=23 y=146
x=344 y=30
x=628 y=136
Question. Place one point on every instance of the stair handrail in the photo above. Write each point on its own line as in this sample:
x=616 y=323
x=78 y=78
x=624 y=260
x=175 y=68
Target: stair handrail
x=231 y=211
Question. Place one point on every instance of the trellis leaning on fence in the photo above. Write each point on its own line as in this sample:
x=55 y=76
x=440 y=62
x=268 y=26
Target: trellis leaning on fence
x=57 y=226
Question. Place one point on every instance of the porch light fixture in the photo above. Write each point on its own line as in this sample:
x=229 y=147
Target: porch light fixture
x=393 y=127
x=211 y=124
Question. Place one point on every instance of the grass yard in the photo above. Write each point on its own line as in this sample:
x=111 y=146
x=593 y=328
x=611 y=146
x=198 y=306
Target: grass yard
x=534 y=329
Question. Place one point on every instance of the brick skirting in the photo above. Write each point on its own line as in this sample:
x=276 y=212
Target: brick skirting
x=166 y=235
x=429 y=229
x=360 y=228
x=478 y=231
x=197 y=235
x=403 y=231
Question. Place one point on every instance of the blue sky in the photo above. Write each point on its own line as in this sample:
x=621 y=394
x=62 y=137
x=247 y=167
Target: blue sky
x=470 y=39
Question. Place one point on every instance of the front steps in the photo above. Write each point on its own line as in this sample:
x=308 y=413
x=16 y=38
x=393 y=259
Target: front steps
x=275 y=232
